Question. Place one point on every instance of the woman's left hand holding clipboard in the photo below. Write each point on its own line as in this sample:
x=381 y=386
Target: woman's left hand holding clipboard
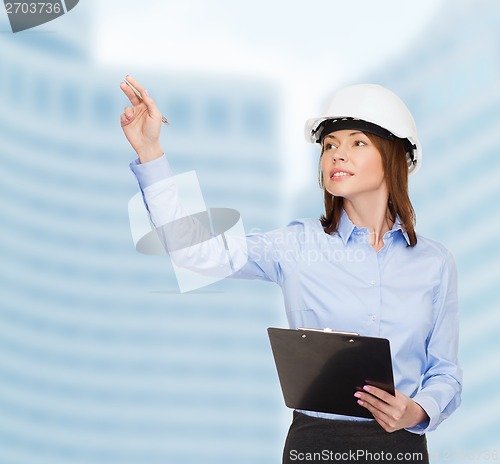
x=391 y=412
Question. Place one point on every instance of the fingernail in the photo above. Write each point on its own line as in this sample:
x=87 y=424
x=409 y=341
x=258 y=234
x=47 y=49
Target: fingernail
x=360 y=402
x=366 y=388
x=146 y=93
x=357 y=395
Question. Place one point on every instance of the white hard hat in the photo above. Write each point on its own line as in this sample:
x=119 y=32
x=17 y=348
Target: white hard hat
x=369 y=108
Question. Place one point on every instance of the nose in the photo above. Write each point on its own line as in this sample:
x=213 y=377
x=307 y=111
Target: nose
x=340 y=154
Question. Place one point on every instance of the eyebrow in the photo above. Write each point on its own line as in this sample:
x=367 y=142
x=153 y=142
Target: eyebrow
x=329 y=136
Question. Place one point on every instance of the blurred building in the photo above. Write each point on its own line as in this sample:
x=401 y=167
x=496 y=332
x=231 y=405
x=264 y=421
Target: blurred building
x=101 y=358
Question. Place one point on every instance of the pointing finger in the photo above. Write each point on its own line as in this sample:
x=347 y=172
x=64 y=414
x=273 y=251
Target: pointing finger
x=136 y=84
x=134 y=99
x=152 y=108
x=144 y=97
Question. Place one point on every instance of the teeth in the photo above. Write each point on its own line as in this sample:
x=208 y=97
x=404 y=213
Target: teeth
x=338 y=174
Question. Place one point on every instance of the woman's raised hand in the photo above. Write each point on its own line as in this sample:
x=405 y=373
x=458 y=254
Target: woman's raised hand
x=141 y=122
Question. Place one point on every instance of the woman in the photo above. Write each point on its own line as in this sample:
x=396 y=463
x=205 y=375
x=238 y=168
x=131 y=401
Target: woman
x=360 y=268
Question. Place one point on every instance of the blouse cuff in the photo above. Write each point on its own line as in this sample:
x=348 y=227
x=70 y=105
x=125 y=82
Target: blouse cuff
x=432 y=410
x=151 y=172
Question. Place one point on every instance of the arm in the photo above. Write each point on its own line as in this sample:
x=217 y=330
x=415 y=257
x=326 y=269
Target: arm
x=184 y=228
x=189 y=243
x=441 y=387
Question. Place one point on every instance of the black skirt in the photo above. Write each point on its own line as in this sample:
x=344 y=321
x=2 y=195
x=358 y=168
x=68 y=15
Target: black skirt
x=312 y=439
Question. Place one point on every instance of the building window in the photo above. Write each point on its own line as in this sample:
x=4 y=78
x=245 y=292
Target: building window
x=179 y=112
x=41 y=95
x=217 y=116
x=257 y=120
x=104 y=108
x=70 y=102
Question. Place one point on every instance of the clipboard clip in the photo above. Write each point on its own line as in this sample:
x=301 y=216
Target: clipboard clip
x=328 y=330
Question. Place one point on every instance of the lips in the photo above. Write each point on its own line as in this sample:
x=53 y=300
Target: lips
x=339 y=174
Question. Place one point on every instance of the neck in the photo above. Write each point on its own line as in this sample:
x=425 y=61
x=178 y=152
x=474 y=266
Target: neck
x=371 y=214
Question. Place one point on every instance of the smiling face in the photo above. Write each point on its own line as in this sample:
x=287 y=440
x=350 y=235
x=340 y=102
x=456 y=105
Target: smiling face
x=352 y=166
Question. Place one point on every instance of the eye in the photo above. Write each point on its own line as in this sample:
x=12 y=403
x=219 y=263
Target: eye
x=329 y=146
x=359 y=143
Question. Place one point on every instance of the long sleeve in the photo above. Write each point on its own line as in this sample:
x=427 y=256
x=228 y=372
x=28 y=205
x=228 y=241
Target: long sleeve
x=442 y=382
x=185 y=236
x=193 y=246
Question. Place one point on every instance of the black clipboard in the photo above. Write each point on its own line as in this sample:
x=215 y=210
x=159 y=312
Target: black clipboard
x=321 y=370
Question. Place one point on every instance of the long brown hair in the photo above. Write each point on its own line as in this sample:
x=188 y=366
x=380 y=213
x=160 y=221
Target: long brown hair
x=393 y=154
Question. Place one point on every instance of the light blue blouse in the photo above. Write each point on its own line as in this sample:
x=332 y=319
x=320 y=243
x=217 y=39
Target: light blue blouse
x=405 y=294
